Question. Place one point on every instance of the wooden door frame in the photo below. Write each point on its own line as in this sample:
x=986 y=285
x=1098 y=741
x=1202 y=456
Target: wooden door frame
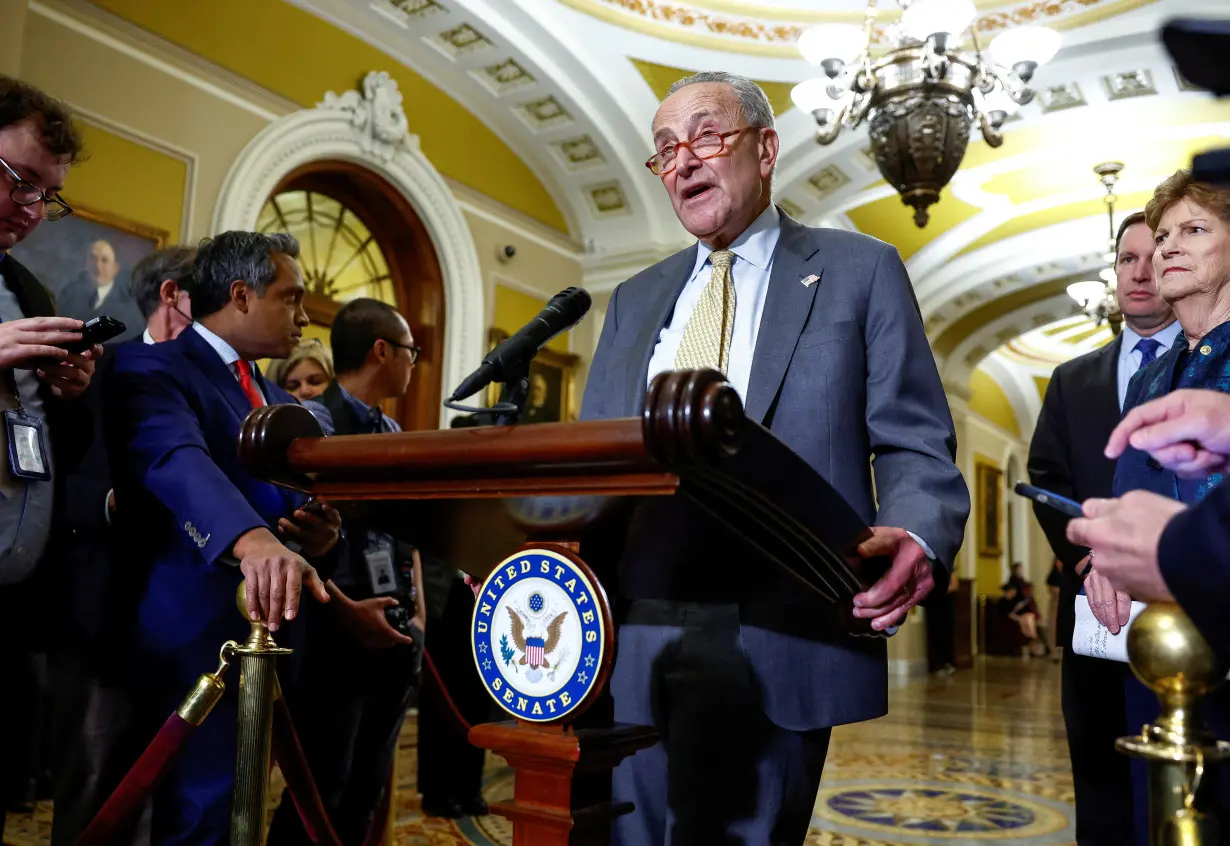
x=418 y=281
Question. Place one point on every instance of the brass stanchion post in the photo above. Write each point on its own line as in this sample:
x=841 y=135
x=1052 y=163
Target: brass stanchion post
x=1169 y=656
x=257 y=680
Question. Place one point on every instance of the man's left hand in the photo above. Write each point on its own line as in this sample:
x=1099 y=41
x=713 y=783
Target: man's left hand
x=316 y=533
x=906 y=583
x=1124 y=534
x=69 y=378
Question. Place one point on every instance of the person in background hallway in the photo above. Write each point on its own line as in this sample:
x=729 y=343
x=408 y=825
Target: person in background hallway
x=1182 y=556
x=819 y=333
x=1054 y=580
x=1081 y=407
x=173 y=412
x=359 y=672
x=92 y=716
x=450 y=775
x=1191 y=261
x=38 y=144
x=307 y=372
x=941 y=617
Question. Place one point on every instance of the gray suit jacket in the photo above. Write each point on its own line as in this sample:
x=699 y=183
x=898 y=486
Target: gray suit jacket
x=842 y=373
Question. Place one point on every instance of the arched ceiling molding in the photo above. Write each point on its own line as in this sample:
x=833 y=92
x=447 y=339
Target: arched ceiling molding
x=370 y=129
x=1018 y=385
x=1062 y=249
x=972 y=349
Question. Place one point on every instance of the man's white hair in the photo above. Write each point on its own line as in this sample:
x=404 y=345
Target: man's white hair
x=753 y=102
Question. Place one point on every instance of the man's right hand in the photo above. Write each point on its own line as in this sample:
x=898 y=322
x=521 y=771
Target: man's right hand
x=23 y=342
x=366 y=622
x=275 y=578
x=1186 y=431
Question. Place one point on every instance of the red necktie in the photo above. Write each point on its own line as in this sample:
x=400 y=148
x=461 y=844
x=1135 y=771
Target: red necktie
x=245 y=382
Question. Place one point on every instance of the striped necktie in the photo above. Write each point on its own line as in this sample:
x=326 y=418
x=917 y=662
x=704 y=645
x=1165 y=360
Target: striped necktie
x=706 y=339
x=249 y=387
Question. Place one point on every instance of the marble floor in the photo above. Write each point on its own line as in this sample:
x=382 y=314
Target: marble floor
x=974 y=758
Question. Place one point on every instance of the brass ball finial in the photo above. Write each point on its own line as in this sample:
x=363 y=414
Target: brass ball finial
x=1168 y=654
x=241 y=600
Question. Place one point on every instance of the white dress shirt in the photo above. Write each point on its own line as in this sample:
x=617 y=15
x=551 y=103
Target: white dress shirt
x=146 y=337
x=1129 y=357
x=750 y=271
x=228 y=355
x=102 y=293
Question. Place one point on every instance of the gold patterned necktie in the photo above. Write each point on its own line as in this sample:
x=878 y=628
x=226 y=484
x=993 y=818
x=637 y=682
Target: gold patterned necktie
x=706 y=339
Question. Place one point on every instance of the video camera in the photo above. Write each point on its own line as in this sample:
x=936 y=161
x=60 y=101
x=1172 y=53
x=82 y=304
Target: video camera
x=1199 y=50
x=392 y=574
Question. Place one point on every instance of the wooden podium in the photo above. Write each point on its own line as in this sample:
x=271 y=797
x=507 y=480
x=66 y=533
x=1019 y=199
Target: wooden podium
x=489 y=495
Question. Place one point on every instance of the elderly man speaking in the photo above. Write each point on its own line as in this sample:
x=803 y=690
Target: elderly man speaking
x=820 y=333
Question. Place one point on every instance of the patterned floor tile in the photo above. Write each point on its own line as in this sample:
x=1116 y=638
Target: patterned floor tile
x=975 y=758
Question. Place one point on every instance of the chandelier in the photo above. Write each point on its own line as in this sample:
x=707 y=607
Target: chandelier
x=1096 y=297
x=924 y=93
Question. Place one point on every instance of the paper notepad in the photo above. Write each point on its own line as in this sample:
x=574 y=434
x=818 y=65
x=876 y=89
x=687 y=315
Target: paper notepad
x=1089 y=637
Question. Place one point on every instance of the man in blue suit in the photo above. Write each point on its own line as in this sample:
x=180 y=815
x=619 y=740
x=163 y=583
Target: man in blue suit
x=195 y=521
x=820 y=334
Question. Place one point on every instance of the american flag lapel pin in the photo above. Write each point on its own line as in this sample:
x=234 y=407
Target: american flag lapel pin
x=808 y=281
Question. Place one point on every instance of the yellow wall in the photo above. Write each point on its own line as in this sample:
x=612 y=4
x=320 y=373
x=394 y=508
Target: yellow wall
x=131 y=180
x=1042 y=383
x=988 y=400
x=300 y=56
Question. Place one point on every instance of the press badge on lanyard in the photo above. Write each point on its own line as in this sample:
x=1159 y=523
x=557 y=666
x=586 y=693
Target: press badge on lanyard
x=27 y=448
x=379 y=558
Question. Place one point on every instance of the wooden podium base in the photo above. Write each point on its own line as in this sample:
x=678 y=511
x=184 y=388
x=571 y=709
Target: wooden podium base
x=562 y=794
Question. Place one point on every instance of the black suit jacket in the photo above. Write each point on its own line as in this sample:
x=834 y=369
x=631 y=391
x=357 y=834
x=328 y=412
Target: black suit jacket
x=1079 y=412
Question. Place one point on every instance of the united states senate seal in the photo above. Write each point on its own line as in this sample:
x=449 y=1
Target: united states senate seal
x=540 y=634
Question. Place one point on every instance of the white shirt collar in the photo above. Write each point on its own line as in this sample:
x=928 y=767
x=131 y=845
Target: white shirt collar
x=755 y=245
x=1165 y=337
x=146 y=337
x=102 y=291
x=224 y=350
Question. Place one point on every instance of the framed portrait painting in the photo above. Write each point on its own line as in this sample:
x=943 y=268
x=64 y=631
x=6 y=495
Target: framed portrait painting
x=553 y=377
x=989 y=486
x=86 y=261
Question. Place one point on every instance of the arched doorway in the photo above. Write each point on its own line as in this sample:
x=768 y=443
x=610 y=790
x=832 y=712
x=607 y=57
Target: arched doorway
x=358 y=143
x=359 y=237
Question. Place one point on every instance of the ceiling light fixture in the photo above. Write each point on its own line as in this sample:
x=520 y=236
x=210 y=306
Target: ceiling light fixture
x=1097 y=298
x=922 y=96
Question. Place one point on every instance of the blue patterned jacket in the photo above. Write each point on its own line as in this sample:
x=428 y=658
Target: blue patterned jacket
x=1206 y=366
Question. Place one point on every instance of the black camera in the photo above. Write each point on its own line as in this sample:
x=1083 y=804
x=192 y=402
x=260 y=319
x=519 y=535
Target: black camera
x=1199 y=48
x=403 y=590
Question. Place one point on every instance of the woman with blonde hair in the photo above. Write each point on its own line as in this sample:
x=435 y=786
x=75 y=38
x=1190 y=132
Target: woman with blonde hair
x=1191 y=263
x=307 y=372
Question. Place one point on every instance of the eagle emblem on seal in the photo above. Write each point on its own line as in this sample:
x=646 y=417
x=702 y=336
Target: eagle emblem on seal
x=538 y=644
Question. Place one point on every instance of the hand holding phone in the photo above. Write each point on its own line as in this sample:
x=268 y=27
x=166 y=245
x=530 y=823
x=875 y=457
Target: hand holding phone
x=96 y=331
x=1062 y=504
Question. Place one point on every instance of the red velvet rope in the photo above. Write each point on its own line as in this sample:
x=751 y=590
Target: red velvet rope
x=450 y=707
x=288 y=752
x=124 y=804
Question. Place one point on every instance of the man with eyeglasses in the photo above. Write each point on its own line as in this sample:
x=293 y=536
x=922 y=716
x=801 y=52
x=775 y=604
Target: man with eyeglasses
x=38 y=144
x=820 y=334
x=359 y=672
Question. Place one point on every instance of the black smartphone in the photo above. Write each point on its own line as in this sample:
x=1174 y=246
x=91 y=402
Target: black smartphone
x=1062 y=504
x=99 y=330
x=314 y=507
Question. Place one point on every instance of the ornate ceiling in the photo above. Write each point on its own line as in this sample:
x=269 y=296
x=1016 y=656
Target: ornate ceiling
x=572 y=86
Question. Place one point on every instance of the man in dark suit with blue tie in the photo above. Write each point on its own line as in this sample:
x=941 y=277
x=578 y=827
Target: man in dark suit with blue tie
x=820 y=334
x=195 y=521
x=1082 y=406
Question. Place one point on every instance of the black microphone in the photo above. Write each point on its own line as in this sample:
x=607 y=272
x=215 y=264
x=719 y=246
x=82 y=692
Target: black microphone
x=563 y=312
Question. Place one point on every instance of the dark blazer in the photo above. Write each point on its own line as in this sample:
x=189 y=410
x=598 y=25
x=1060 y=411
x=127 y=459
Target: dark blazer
x=1080 y=410
x=69 y=422
x=842 y=371
x=1194 y=556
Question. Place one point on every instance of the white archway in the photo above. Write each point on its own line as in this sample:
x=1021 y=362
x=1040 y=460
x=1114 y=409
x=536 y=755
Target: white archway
x=369 y=128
